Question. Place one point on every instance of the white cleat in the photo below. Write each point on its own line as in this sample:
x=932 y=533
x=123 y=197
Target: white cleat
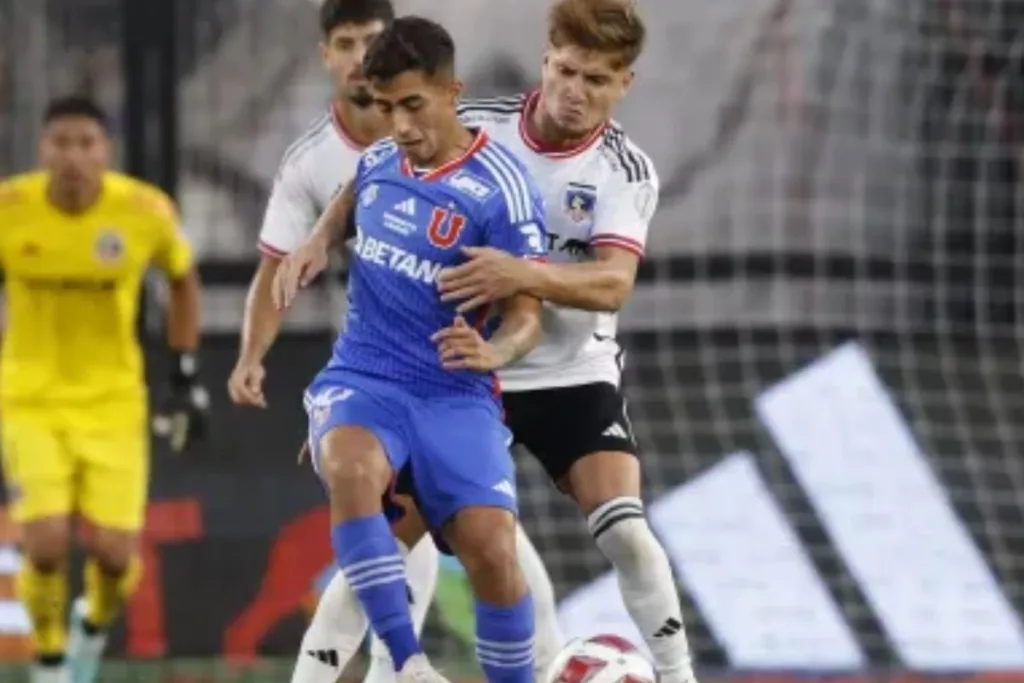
x=418 y=670
x=85 y=651
x=50 y=674
x=682 y=674
x=382 y=670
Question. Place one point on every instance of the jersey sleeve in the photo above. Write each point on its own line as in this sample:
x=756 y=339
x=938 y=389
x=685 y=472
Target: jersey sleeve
x=291 y=212
x=517 y=223
x=173 y=253
x=625 y=209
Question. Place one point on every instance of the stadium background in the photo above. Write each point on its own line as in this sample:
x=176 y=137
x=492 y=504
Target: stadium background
x=824 y=357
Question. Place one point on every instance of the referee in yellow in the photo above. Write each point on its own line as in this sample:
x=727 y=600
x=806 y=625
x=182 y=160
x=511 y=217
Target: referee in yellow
x=76 y=240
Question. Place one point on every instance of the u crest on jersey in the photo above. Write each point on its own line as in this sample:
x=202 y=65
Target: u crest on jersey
x=445 y=227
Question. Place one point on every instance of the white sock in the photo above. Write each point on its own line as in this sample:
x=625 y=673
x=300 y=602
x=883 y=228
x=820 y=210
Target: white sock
x=334 y=635
x=50 y=674
x=548 y=639
x=646 y=582
x=421 y=567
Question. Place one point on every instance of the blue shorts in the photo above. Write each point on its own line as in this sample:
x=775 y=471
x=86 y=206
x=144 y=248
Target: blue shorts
x=456 y=448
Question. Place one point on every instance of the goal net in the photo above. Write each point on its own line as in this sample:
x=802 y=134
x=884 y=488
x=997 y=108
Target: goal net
x=823 y=362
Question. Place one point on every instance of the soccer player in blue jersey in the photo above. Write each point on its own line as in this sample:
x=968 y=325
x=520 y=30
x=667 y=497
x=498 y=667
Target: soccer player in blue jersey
x=410 y=383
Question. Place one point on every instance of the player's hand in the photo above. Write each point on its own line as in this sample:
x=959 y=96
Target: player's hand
x=182 y=419
x=245 y=386
x=461 y=347
x=297 y=270
x=489 y=275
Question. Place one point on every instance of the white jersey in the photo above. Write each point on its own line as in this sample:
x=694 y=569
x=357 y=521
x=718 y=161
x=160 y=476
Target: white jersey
x=602 y=193
x=314 y=169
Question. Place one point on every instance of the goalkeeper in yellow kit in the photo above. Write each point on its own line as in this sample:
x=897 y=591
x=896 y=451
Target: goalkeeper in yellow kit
x=75 y=243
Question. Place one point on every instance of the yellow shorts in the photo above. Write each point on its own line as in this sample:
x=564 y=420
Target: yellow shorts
x=52 y=471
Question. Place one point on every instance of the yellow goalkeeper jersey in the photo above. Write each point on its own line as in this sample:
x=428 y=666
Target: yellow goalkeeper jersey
x=72 y=285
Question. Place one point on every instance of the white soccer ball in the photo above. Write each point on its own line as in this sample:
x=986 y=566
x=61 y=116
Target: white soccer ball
x=600 y=659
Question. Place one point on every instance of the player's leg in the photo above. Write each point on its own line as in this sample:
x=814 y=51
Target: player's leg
x=548 y=638
x=599 y=469
x=39 y=474
x=339 y=624
x=421 y=566
x=358 y=441
x=465 y=482
x=114 y=485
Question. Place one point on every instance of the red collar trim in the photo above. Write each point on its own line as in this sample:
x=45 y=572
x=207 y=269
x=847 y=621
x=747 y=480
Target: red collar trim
x=446 y=168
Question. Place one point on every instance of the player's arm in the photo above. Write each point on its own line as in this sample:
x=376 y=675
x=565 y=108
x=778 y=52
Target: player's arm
x=300 y=268
x=461 y=347
x=336 y=223
x=602 y=284
x=520 y=328
x=261 y=321
x=183 y=417
x=617 y=245
x=291 y=213
x=518 y=233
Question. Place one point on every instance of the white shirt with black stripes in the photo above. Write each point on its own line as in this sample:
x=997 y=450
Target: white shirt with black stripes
x=604 y=192
x=314 y=168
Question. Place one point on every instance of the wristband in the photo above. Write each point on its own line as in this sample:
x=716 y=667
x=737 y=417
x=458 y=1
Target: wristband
x=184 y=368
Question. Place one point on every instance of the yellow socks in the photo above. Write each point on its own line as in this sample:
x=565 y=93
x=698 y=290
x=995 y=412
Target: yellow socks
x=105 y=595
x=45 y=597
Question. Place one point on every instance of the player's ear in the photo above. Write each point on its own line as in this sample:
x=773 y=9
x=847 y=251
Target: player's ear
x=455 y=89
x=323 y=54
x=627 y=81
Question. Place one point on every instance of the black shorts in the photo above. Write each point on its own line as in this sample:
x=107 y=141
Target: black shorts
x=559 y=426
x=562 y=425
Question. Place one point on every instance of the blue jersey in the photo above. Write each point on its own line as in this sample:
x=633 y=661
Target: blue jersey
x=409 y=227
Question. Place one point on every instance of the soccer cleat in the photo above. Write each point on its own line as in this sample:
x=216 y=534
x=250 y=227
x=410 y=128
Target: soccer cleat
x=50 y=674
x=418 y=670
x=681 y=674
x=382 y=670
x=85 y=650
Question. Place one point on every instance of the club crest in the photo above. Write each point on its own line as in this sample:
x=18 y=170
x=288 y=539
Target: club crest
x=109 y=246
x=580 y=202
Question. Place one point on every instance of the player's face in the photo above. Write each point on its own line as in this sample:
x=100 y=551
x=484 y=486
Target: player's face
x=75 y=150
x=342 y=53
x=579 y=88
x=420 y=111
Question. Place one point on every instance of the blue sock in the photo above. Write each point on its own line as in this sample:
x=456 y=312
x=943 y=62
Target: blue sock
x=369 y=557
x=504 y=641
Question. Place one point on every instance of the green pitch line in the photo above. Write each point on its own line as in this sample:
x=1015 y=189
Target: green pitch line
x=219 y=671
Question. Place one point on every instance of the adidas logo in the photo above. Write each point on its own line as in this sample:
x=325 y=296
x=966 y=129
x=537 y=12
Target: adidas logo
x=329 y=657
x=616 y=431
x=406 y=206
x=671 y=627
x=506 y=487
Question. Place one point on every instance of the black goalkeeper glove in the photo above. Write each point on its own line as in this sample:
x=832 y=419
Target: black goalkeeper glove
x=182 y=418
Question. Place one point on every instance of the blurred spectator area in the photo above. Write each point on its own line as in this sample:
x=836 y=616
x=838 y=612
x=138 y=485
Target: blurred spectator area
x=853 y=130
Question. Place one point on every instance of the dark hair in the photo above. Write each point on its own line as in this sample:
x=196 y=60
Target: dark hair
x=75 y=105
x=410 y=44
x=610 y=26
x=334 y=13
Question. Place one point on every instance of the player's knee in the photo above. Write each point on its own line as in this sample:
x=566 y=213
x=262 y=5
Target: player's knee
x=602 y=478
x=113 y=550
x=353 y=463
x=45 y=543
x=486 y=544
x=623 y=534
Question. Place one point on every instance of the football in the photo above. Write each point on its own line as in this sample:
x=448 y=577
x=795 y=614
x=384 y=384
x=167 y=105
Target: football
x=600 y=659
